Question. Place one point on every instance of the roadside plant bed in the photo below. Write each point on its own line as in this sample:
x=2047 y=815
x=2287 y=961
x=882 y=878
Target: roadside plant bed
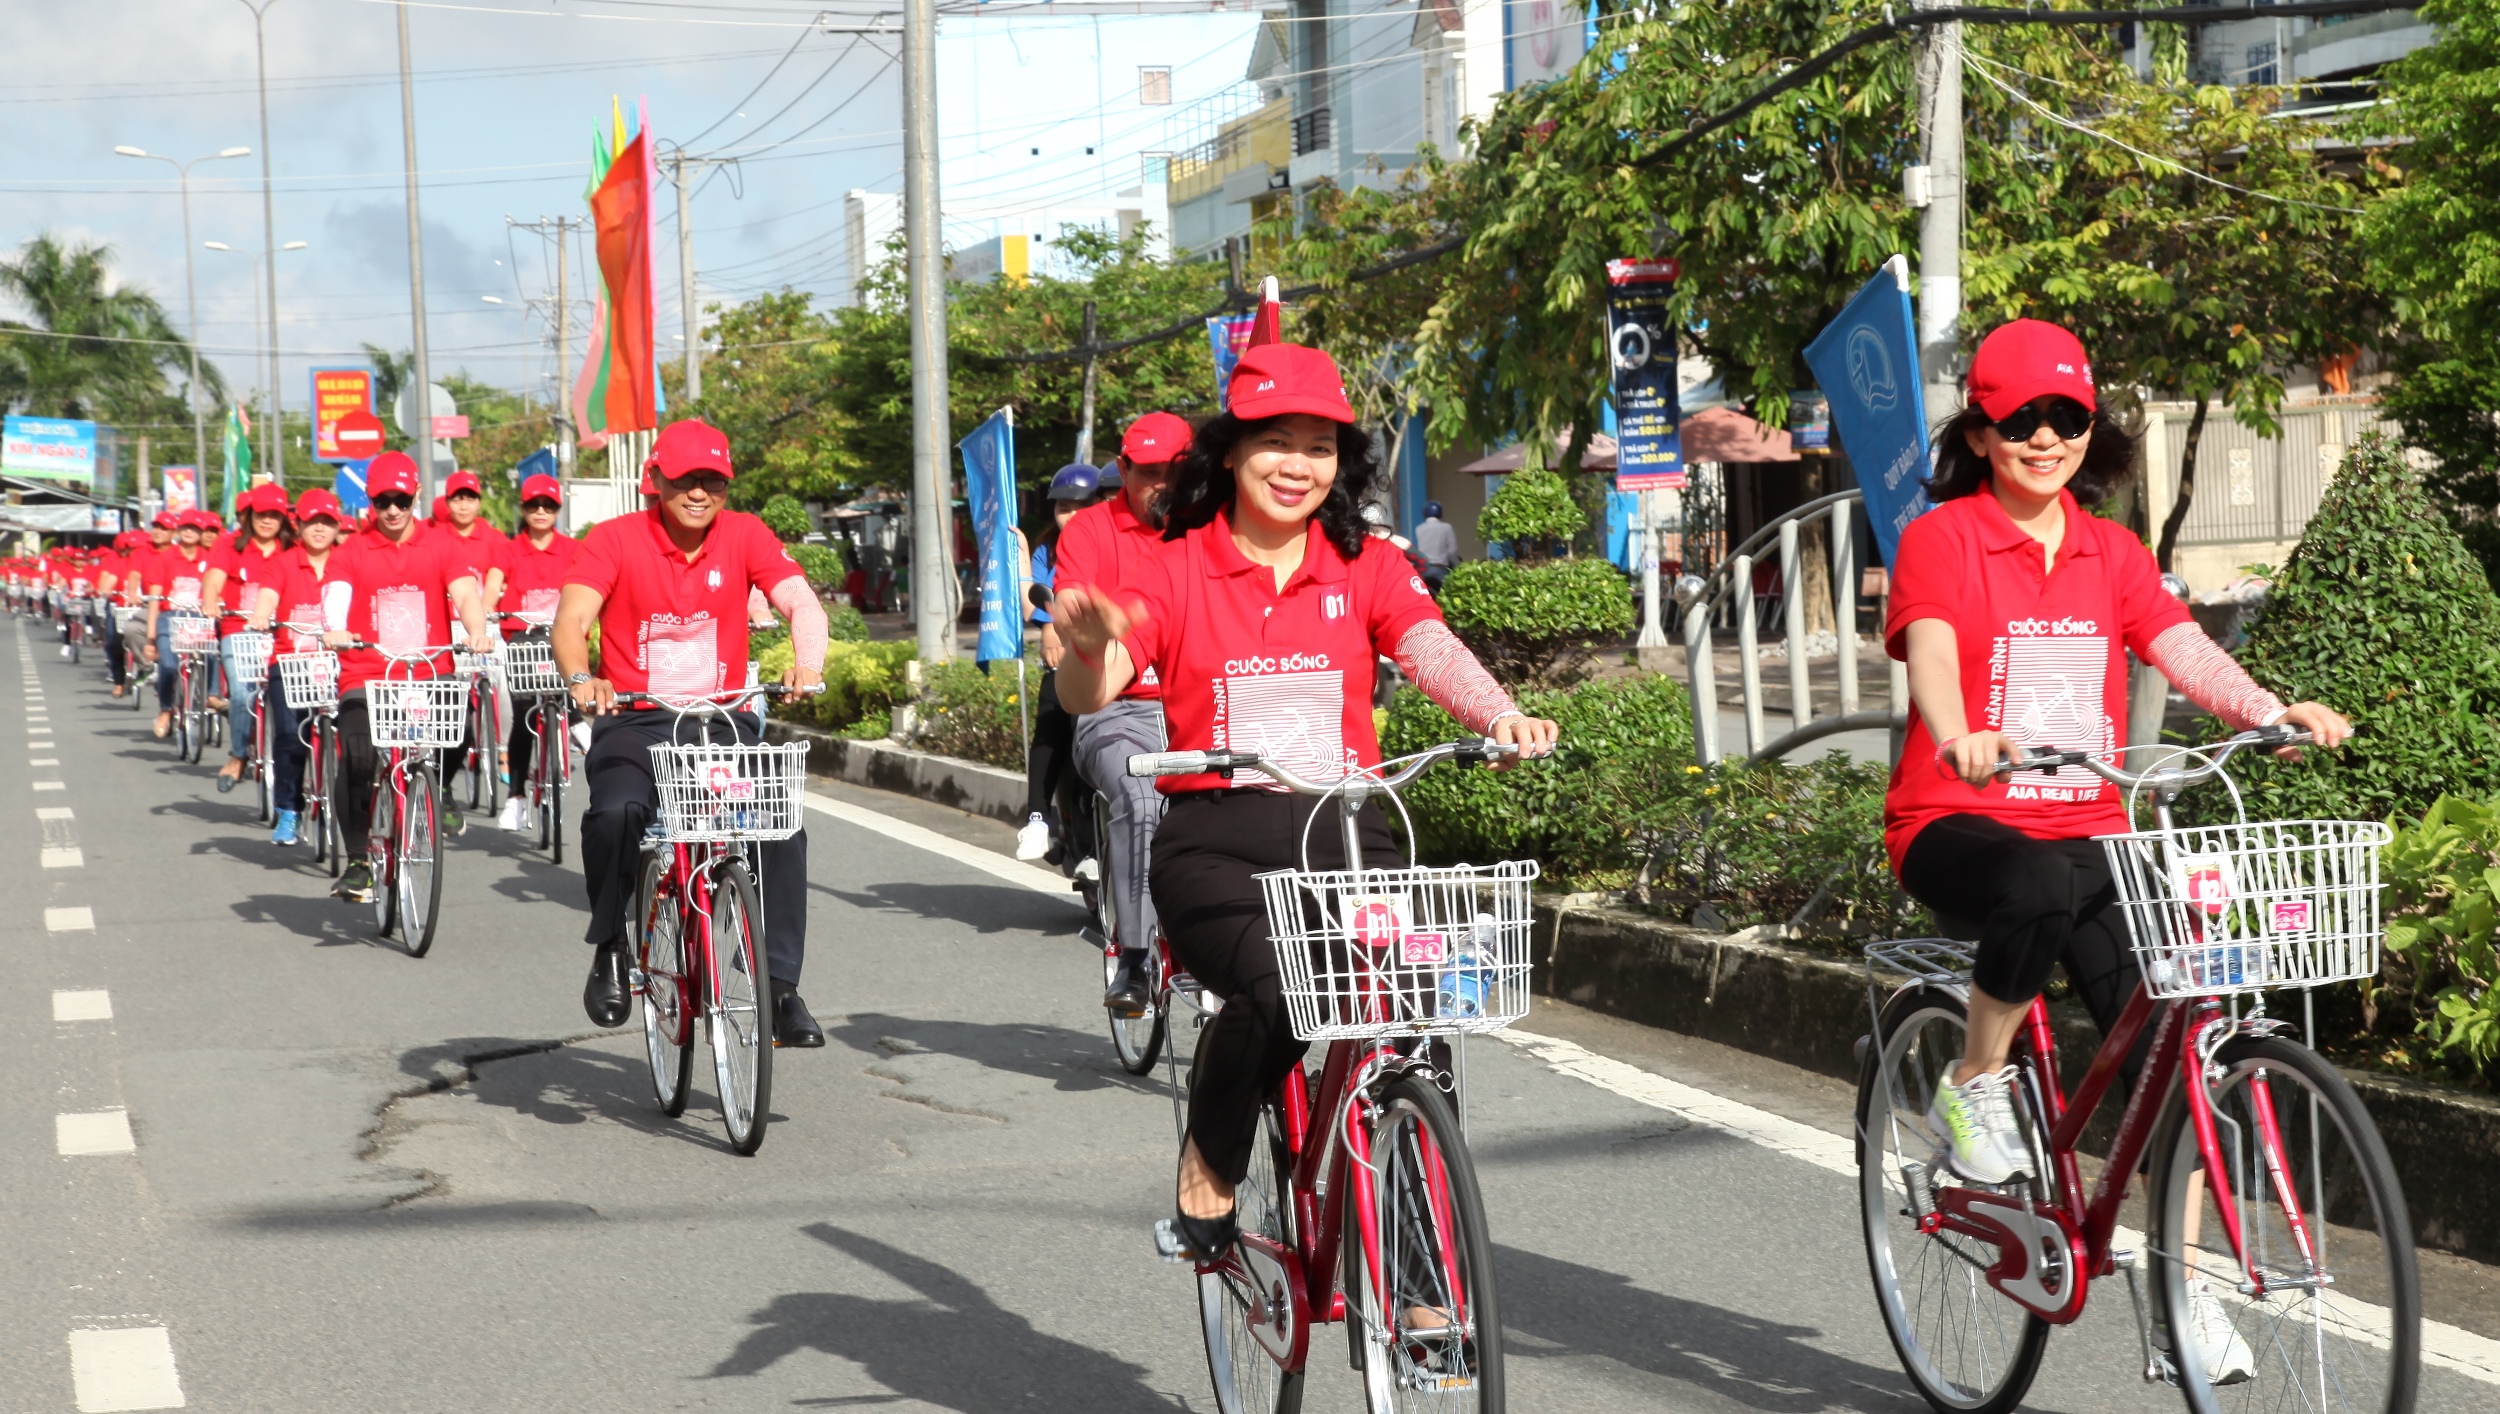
x=2435 y=1008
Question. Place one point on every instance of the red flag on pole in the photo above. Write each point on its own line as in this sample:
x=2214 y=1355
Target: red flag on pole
x=1269 y=327
x=621 y=210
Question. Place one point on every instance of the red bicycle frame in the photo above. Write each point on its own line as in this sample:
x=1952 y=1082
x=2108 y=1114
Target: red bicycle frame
x=686 y=884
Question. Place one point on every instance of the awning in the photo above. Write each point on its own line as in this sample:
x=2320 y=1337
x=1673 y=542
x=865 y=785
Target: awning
x=1723 y=434
x=1599 y=457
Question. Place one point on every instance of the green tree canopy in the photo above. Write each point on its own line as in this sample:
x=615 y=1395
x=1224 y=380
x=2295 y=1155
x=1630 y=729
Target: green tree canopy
x=90 y=347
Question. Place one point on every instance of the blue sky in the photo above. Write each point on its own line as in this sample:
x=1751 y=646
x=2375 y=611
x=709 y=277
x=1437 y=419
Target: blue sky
x=508 y=93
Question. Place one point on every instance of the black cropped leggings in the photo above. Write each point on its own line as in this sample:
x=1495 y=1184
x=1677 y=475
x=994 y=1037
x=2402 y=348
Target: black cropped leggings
x=2036 y=903
x=1207 y=854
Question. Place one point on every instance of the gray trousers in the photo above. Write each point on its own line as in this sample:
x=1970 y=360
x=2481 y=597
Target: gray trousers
x=1104 y=742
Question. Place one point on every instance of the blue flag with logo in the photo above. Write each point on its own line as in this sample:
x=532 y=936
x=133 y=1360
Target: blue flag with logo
x=990 y=484
x=1866 y=360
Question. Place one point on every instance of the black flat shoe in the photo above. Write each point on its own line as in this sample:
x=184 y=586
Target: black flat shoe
x=1182 y=1238
x=1126 y=996
x=605 y=995
x=792 y=1025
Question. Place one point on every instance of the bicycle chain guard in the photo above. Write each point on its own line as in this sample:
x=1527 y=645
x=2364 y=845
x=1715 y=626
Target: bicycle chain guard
x=1268 y=1279
x=2040 y=1260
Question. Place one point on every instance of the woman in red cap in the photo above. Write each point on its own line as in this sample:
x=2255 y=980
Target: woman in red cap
x=2015 y=608
x=524 y=582
x=1261 y=617
x=238 y=568
x=174 y=580
x=290 y=601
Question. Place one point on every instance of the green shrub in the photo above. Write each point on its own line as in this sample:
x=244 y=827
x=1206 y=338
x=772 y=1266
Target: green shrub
x=861 y=680
x=1531 y=511
x=967 y=713
x=2440 y=972
x=2384 y=616
x=844 y=624
x=1536 y=623
x=785 y=517
x=1763 y=843
x=822 y=566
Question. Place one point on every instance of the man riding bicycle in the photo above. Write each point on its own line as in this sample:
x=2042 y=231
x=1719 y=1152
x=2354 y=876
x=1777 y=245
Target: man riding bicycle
x=174 y=579
x=390 y=589
x=668 y=589
x=1108 y=544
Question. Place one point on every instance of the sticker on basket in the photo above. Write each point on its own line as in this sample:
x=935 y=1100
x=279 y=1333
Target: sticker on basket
x=1424 y=949
x=2205 y=883
x=723 y=782
x=414 y=702
x=1375 y=922
x=2289 y=916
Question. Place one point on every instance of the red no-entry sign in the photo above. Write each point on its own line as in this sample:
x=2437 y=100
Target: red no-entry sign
x=358 y=435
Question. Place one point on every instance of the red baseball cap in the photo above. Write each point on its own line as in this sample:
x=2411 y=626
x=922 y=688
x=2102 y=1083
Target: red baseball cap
x=460 y=481
x=1156 y=437
x=542 y=487
x=391 y=472
x=687 y=446
x=167 y=520
x=1274 y=379
x=267 y=496
x=2027 y=359
x=319 y=502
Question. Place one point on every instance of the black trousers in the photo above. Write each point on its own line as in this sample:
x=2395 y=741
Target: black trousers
x=1054 y=740
x=2036 y=903
x=623 y=799
x=1207 y=853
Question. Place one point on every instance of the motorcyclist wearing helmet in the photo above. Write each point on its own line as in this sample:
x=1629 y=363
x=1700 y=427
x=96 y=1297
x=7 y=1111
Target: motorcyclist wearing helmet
x=1074 y=487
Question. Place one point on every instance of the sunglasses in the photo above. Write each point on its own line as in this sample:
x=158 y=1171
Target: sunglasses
x=2066 y=417
x=393 y=501
x=541 y=504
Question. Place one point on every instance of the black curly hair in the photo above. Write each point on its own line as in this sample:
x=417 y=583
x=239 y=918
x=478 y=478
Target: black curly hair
x=1202 y=485
x=2108 y=464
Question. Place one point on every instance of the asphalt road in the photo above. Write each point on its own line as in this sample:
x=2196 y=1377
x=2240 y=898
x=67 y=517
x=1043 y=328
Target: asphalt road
x=331 y=1177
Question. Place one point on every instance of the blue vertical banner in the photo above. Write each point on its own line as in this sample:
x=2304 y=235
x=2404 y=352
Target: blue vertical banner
x=1867 y=361
x=1640 y=340
x=1228 y=338
x=990 y=485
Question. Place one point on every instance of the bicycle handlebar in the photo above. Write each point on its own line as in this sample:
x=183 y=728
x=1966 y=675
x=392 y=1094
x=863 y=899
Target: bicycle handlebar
x=1194 y=763
x=715 y=702
x=2165 y=777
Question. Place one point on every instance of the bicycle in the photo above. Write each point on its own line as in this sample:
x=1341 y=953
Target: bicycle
x=131 y=621
x=194 y=641
x=412 y=720
x=74 y=618
x=538 y=690
x=2271 y=1149
x=696 y=930
x=311 y=683
x=1392 y=968
x=252 y=650
x=1138 y=1040
x=481 y=672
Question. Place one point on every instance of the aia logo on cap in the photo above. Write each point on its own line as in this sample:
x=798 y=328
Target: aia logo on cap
x=1332 y=606
x=1264 y=385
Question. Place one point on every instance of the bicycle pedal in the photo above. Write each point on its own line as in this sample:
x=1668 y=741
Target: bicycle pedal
x=1169 y=1247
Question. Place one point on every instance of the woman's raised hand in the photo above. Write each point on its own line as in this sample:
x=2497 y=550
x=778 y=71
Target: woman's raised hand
x=1090 y=621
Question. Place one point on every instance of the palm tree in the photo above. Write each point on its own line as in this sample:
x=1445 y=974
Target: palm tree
x=90 y=349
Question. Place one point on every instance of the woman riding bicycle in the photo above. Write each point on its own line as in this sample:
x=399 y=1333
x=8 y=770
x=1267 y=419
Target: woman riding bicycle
x=1261 y=615
x=523 y=584
x=238 y=568
x=291 y=601
x=2015 y=609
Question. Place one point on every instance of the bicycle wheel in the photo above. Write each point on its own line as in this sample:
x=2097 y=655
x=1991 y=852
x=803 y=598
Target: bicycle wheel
x=739 y=1012
x=322 y=797
x=419 y=865
x=194 y=716
x=264 y=771
x=2338 y=1329
x=1137 y=1040
x=474 y=760
x=1968 y=1349
x=667 y=1018
x=1425 y=1325
x=1247 y=1379
x=382 y=847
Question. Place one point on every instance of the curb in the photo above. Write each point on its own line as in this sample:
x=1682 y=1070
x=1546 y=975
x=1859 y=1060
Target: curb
x=968 y=786
x=1809 y=1011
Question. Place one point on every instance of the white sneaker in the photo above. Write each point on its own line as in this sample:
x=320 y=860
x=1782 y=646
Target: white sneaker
x=515 y=816
x=1976 y=1121
x=1033 y=839
x=2219 y=1348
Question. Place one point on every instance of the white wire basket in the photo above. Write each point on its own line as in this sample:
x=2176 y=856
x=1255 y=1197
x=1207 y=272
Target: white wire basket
x=1401 y=952
x=529 y=666
x=411 y=712
x=2226 y=909
x=725 y=792
x=129 y=618
x=74 y=606
x=194 y=633
x=310 y=680
x=465 y=664
x=251 y=655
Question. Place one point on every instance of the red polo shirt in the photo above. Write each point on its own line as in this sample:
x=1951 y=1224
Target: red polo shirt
x=177 y=576
x=533 y=579
x=398 y=595
x=477 y=549
x=2043 y=660
x=670 y=624
x=1106 y=545
x=1248 y=667
x=247 y=570
x=298 y=615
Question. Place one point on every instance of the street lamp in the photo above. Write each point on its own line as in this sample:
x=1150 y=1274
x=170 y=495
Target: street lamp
x=199 y=425
x=269 y=410
x=269 y=237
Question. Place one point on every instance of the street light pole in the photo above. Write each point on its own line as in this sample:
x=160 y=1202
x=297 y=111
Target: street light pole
x=1940 y=229
x=269 y=237
x=272 y=257
x=932 y=567
x=423 y=433
x=191 y=279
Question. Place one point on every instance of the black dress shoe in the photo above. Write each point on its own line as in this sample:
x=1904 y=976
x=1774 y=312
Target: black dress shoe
x=605 y=996
x=792 y=1025
x=1126 y=996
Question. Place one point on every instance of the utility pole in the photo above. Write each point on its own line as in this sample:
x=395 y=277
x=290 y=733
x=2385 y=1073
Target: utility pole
x=678 y=162
x=932 y=568
x=1940 y=230
x=561 y=228
x=423 y=433
x=1085 y=418
x=269 y=235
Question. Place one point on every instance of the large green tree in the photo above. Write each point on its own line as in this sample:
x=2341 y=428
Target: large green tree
x=90 y=347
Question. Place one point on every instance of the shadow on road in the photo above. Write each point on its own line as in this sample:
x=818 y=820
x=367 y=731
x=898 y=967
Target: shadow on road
x=1072 y=1061
x=1568 y=1310
x=563 y=1084
x=314 y=915
x=986 y=908
x=1001 y=1361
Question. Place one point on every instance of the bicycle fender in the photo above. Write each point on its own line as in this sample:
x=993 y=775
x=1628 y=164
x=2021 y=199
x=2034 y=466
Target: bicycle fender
x=2039 y=1253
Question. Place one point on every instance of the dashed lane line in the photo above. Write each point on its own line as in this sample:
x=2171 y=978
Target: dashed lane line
x=98 y=1132
x=69 y=920
x=94 y=1005
x=49 y=785
x=125 y=1369
x=60 y=838
x=43 y=760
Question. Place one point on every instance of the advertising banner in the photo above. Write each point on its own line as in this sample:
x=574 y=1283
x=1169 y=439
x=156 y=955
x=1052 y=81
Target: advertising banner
x=1640 y=338
x=337 y=392
x=48 y=448
x=1228 y=336
x=182 y=488
x=1867 y=361
x=1544 y=39
x=990 y=485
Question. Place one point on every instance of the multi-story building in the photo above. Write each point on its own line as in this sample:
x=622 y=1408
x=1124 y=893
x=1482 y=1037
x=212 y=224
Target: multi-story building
x=2329 y=53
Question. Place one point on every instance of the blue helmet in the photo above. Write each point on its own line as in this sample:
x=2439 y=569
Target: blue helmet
x=1108 y=475
x=1075 y=482
x=1432 y=510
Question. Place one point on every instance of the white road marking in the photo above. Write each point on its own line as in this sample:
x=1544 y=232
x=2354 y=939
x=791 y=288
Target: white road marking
x=70 y=858
x=103 y=1132
x=2444 y=1346
x=49 y=785
x=1042 y=881
x=130 y=1368
x=69 y=920
x=60 y=838
x=82 y=1006
x=43 y=760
